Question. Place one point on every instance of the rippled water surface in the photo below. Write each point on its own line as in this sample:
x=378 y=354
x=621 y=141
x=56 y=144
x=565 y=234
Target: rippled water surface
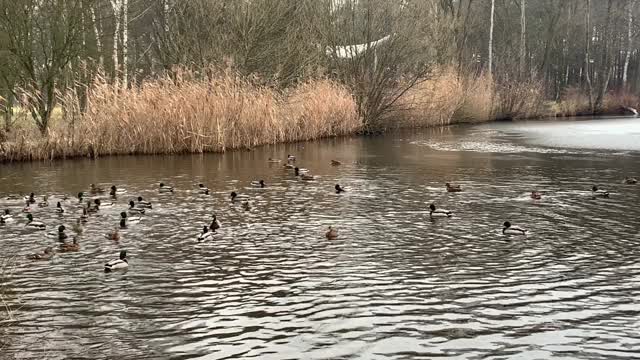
x=394 y=285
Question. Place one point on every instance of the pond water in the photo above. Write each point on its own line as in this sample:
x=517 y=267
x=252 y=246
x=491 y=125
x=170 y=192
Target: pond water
x=394 y=285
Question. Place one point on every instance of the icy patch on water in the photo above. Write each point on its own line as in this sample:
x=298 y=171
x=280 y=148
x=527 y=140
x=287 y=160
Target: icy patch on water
x=490 y=147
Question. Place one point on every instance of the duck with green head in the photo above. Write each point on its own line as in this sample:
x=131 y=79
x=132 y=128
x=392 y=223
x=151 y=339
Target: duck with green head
x=34 y=224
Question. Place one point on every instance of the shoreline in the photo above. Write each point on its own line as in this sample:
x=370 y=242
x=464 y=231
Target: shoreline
x=356 y=133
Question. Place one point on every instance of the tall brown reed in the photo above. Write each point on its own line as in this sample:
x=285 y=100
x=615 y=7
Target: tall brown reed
x=185 y=114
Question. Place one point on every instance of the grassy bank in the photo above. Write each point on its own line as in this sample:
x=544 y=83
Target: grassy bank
x=190 y=114
x=185 y=114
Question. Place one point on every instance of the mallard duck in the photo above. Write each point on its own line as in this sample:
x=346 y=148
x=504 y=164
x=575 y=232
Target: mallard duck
x=44 y=202
x=77 y=227
x=258 y=184
x=34 y=224
x=291 y=158
x=203 y=189
x=59 y=208
x=80 y=197
x=114 y=192
x=93 y=189
x=215 y=224
x=630 y=181
x=165 y=189
x=113 y=235
x=133 y=209
x=339 y=189
x=599 y=193
x=512 y=230
x=6 y=217
x=31 y=199
x=273 y=160
x=235 y=196
x=246 y=206
x=439 y=212
x=124 y=220
x=92 y=208
x=100 y=205
x=61 y=234
x=117 y=264
x=536 y=195
x=47 y=254
x=331 y=233
x=453 y=188
x=205 y=235
x=66 y=247
x=335 y=163
x=143 y=204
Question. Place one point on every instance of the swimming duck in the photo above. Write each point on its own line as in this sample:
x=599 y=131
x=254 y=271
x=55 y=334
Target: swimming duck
x=66 y=247
x=31 y=199
x=61 y=235
x=273 y=160
x=27 y=207
x=46 y=255
x=34 y=224
x=93 y=189
x=215 y=224
x=536 y=195
x=599 y=193
x=331 y=233
x=59 y=208
x=335 y=163
x=291 y=158
x=453 y=188
x=235 y=196
x=203 y=189
x=259 y=184
x=165 y=189
x=114 y=235
x=99 y=204
x=205 y=235
x=246 y=206
x=512 y=230
x=143 y=203
x=339 y=189
x=439 y=212
x=124 y=220
x=45 y=202
x=133 y=209
x=117 y=264
x=80 y=197
x=6 y=217
x=92 y=208
x=630 y=181
x=114 y=192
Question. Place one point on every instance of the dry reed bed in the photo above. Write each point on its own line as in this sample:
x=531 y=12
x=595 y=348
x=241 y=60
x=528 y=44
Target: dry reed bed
x=188 y=115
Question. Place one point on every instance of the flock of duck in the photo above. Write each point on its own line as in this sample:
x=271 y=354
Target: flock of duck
x=138 y=206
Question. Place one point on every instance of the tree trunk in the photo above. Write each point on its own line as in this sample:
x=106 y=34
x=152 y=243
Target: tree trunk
x=627 y=57
x=587 y=56
x=493 y=7
x=523 y=36
x=125 y=39
x=606 y=61
x=98 y=36
x=115 y=4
